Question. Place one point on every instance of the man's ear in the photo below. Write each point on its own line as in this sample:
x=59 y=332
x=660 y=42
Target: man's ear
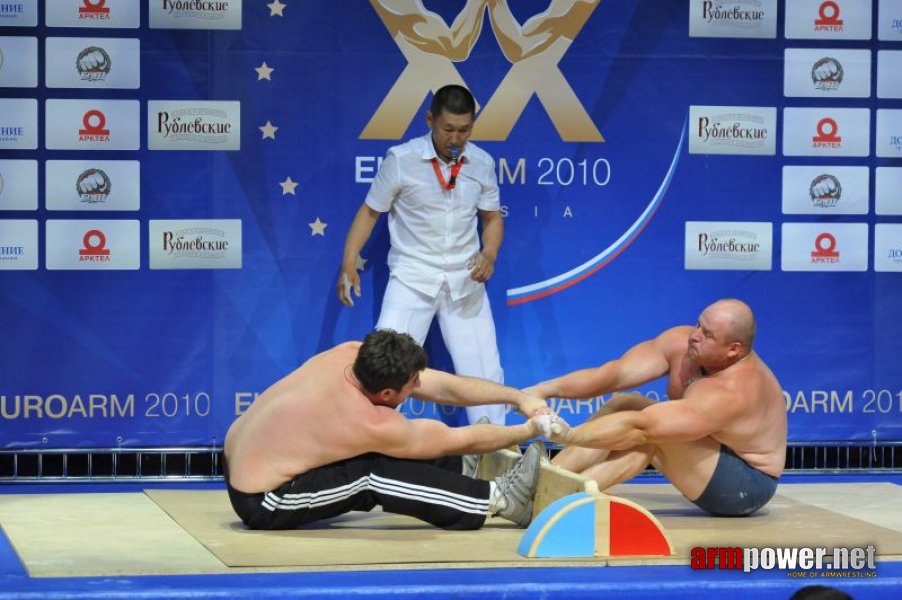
x=383 y=396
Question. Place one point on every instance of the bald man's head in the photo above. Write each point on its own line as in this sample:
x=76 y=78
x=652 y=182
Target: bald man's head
x=736 y=319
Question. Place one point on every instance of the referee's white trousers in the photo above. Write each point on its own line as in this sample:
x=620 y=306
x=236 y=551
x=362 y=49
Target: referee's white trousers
x=467 y=329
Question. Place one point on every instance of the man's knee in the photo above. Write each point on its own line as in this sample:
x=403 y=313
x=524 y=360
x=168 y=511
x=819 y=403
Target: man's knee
x=620 y=402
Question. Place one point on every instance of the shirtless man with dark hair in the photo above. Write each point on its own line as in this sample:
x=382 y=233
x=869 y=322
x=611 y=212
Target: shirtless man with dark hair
x=720 y=439
x=327 y=439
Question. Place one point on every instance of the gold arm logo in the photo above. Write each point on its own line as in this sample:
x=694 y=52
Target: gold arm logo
x=534 y=49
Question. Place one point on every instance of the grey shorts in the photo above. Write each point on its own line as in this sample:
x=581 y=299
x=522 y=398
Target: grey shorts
x=736 y=489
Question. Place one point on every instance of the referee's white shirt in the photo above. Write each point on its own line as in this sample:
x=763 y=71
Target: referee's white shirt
x=433 y=231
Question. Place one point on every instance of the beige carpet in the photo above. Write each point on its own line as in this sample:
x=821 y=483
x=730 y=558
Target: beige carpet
x=361 y=538
x=196 y=532
x=352 y=539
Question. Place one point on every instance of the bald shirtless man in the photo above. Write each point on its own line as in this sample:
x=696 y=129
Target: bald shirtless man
x=721 y=439
x=327 y=439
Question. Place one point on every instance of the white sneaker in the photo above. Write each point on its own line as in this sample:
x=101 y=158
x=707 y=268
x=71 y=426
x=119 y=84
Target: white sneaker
x=471 y=461
x=517 y=487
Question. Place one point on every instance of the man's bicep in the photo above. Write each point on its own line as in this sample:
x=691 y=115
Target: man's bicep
x=418 y=439
x=642 y=363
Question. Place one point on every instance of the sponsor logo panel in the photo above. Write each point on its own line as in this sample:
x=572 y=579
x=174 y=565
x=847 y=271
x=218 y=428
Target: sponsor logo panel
x=195 y=14
x=889 y=133
x=195 y=244
x=18 y=61
x=734 y=246
x=889 y=21
x=889 y=66
x=825 y=190
x=93 y=244
x=113 y=63
x=736 y=19
x=828 y=19
x=18 y=184
x=93 y=125
x=826 y=132
x=825 y=247
x=18 y=244
x=827 y=73
x=21 y=13
x=18 y=124
x=116 y=14
x=193 y=125
x=93 y=184
x=888 y=247
x=748 y=130
x=888 y=190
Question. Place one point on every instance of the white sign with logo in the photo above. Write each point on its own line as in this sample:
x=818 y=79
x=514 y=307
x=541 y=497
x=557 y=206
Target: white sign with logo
x=828 y=19
x=93 y=244
x=889 y=21
x=889 y=133
x=825 y=190
x=18 y=244
x=827 y=73
x=19 y=13
x=733 y=19
x=18 y=61
x=195 y=244
x=93 y=184
x=195 y=14
x=888 y=190
x=18 y=124
x=889 y=67
x=113 y=63
x=733 y=246
x=732 y=130
x=888 y=247
x=824 y=247
x=193 y=125
x=826 y=132
x=93 y=125
x=18 y=184
x=114 y=14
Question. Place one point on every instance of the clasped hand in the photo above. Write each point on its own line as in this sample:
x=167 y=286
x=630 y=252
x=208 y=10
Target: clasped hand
x=550 y=426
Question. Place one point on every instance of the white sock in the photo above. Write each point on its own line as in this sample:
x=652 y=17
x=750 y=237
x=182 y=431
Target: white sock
x=497 y=502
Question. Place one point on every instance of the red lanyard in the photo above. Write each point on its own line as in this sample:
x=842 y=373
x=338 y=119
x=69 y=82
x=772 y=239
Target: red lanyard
x=455 y=169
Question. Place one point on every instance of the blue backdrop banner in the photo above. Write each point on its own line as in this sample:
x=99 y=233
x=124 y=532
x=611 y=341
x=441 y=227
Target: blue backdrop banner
x=178 y=178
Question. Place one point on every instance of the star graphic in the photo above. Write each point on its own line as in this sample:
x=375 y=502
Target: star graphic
x=361 y=263
x=269 y=130
x=318 y=227
x=275 y=8
x=264 y=71
x=288 y=186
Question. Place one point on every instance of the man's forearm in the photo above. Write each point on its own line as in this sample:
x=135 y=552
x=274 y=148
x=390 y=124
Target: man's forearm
x=458 y=390
x=584 y=383
x=488 y=438
x=358 y=234
x=492 y=235
x=617 y=431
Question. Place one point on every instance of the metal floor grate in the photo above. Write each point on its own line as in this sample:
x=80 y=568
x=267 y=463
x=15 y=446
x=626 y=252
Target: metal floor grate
x=844 y=457
x=205 y=463
x=104 y=464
